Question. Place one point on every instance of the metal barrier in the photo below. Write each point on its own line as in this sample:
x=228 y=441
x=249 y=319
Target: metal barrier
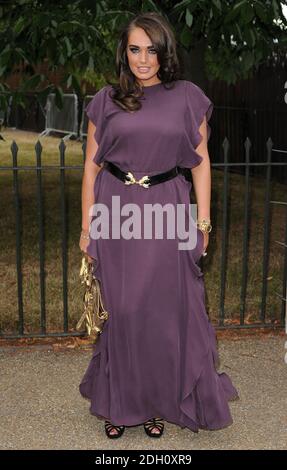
x=84 y=117
x=62 y=120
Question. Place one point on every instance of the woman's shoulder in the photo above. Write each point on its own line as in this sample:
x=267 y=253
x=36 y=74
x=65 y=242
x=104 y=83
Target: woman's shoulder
x=193 y=88
x=103 y=90
x=190 y=90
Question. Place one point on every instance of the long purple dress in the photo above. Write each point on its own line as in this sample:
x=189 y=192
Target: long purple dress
x=157 y=354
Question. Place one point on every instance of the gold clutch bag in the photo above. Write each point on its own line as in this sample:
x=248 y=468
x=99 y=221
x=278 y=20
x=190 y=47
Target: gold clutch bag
x=94 y=315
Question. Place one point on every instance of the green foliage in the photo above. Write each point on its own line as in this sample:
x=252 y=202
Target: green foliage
x=79 y=38
x=238 y=35
x=70 y=37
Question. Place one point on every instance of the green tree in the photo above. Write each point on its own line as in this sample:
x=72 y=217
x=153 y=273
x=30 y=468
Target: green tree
x=224 y=39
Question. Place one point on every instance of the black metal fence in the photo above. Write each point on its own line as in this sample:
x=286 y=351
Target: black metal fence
x=226 y=166
x=246 y=165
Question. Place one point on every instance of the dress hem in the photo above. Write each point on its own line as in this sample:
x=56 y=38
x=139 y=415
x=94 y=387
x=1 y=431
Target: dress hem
x=182 y=426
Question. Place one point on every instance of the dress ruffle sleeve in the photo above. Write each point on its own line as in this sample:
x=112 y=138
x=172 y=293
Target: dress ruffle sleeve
x=197 y=106
x=95 y=111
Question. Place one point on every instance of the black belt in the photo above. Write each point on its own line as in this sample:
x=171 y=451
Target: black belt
x=146 y=181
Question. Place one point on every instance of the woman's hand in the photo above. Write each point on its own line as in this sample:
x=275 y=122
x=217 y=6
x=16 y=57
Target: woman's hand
x=83 y=244
x=205 y=240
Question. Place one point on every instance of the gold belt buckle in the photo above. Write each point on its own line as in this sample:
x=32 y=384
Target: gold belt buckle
x=144 y=181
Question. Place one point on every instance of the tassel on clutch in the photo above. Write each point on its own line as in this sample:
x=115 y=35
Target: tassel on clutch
x=94 y=315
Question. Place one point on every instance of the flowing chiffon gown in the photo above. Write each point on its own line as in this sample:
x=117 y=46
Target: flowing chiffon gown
x=157 y=354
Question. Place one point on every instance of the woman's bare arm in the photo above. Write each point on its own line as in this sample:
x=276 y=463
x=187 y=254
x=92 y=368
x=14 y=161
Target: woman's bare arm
x=201 y=176
x=91 y=169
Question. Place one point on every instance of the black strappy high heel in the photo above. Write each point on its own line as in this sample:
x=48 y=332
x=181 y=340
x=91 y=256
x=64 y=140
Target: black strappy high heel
x=154 y=423
x=109 y=427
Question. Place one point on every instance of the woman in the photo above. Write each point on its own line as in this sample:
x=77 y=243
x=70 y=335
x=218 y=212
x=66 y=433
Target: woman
x=155 y=359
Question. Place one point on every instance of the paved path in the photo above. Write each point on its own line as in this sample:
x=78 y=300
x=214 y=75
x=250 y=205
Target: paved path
x=41 y=407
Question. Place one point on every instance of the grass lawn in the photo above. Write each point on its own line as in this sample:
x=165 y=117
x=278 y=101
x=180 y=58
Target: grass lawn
x=53 y=255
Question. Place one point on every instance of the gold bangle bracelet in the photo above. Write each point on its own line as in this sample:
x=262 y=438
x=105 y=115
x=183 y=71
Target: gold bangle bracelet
x=85 y=237
x=204 y=225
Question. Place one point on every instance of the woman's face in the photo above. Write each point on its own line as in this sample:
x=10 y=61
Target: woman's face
x=142 y=58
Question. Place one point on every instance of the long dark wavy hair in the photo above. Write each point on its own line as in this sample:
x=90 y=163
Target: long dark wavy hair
x=126 y=91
